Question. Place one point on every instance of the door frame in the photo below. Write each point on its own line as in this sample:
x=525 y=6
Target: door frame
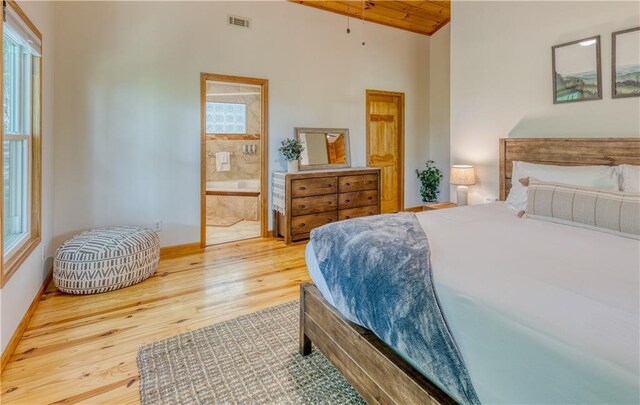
x=370 y=93
x=264 y=149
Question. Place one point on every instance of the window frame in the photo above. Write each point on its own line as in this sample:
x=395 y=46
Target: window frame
x=246 y=119
x=22 y=250
x=231 y=135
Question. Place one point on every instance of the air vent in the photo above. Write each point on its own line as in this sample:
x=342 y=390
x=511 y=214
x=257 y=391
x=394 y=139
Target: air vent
x=239 y=21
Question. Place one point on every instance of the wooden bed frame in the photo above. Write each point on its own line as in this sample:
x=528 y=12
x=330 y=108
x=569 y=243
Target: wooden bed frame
x=565 y=152
x=369 y=365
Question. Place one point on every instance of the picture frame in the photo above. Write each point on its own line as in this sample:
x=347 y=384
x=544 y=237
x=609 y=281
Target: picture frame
x=577 y=71
x=625 y=63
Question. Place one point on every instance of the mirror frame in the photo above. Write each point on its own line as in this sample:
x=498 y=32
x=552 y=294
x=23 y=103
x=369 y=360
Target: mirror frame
x=347 y=148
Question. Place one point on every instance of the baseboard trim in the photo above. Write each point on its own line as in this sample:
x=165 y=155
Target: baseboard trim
x=414 y=209
x=176 y=250
x=22 y=326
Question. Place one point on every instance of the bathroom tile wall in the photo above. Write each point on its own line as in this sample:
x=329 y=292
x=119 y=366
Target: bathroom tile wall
x=242 y=94
x=243 y=166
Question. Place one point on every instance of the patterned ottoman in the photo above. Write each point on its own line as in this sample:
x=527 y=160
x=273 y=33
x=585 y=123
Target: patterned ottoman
x=106 y=259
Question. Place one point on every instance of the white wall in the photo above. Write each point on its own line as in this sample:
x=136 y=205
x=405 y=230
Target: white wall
x=127 y=96
x=18 y=293
x=439 y=104
x=501 y=78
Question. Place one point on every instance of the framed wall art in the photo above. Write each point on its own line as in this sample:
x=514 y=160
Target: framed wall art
x=625 y=63
x=577 y=74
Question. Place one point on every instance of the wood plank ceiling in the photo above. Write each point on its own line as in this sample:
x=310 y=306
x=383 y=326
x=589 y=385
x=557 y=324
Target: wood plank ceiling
x=422 y=17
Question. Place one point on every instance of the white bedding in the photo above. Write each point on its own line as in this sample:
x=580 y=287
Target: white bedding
x=542 y=312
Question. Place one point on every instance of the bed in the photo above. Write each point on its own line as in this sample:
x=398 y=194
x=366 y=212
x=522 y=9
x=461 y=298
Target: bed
x=562 y=328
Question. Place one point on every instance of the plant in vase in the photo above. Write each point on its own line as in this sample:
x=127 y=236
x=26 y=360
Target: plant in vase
x=429 y=182
x=291 y=150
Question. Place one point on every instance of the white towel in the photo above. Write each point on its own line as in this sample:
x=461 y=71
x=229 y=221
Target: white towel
x=223 y=163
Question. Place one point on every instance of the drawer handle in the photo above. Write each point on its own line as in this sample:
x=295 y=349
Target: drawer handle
x=347 y=184
x=347 y=201
x=302 y=206
x=370 y=182
x=328 y=220
x=371 y=198
x=329 y=185
x=302 y=188
x=328 y=203
x=302 y=225
x=347 y=217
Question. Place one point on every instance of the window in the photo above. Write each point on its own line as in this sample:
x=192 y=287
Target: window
x=226 y=118
x=20 y=139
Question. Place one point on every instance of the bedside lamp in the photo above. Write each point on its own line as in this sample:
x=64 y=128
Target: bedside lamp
x=462 y=176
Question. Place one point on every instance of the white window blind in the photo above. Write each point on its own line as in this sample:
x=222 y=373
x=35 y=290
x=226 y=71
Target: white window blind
x=22 y=31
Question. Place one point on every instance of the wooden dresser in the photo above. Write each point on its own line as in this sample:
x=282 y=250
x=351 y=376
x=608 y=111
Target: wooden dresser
x=315 y=198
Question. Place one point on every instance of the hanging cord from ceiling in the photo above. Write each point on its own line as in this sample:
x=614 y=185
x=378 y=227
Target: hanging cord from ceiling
x=348 y=21
x=363 y=41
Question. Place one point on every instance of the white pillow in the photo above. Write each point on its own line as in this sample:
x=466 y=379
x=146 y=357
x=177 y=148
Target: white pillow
x=629 y=178
x=600 y=177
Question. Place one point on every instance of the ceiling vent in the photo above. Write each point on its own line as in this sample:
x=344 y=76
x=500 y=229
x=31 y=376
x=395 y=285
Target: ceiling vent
x=239 y=21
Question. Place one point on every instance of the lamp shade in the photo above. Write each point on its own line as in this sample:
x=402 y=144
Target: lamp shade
x=463 y=175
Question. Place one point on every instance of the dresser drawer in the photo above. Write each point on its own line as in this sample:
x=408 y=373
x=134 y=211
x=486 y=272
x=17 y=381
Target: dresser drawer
x=314 y=204
x=357 y=199
x=319 y=186
x=317 y=198
x=358 y=183
x=357 y=212
x=305 y=223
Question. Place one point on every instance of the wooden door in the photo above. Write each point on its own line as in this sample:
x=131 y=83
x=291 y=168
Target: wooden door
x=385 y=145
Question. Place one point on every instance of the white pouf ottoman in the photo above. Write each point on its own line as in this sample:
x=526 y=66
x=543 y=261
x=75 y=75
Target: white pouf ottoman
x=106 y=259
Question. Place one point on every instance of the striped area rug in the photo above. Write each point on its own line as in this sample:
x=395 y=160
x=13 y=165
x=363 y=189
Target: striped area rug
x=252 y=359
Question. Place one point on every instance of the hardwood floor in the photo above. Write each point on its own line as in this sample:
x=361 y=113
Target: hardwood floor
x=82 y=349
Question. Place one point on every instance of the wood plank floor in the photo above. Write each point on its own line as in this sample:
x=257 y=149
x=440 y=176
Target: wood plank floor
x=82 y=349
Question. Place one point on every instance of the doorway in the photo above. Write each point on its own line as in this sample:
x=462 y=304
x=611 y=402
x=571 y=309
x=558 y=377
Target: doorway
x=385 y=145
x=233 y=154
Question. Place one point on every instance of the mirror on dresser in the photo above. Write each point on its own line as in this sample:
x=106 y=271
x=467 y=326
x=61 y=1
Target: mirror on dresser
x=324 y=148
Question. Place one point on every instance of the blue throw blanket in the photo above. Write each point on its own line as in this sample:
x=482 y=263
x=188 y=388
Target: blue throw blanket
x=379 y=275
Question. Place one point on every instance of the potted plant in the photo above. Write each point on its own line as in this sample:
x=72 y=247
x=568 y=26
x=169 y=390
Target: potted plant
x=291 y=150
x=429 y=182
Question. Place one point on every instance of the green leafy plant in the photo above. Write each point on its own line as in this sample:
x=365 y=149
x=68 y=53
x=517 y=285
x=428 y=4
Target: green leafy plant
x=291 y=149
x=429 y=182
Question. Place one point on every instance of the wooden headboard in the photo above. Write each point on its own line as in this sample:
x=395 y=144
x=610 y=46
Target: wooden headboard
x=565 y=152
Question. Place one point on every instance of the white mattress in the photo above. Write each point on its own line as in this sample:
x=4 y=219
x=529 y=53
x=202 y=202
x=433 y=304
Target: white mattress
x=542 y=312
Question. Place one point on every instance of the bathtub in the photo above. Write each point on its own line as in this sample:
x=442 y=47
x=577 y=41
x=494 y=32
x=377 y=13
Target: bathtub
x=233 y=199
x=249 y=187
